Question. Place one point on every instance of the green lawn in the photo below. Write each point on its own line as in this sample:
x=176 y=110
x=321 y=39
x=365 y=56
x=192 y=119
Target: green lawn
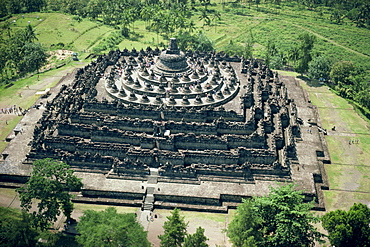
x=348 y=177
x=90 y=38
x=194 y=215
x=348 y=174
x=60 y=28
x=344 y=200
x=83 y=207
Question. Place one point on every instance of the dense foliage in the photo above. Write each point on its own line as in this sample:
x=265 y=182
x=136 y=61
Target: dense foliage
x=50 y=183
x=350 y=228
x=245 y=228
x=351 y=82
x=19 y=52
x=117 y=11
x=15 y=229
x=278 y=219
x=109 y=228
x=174 y=230
x=198 y=239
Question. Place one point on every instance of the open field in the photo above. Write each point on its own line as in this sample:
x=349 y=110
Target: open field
x=281 y=24
x=349 y=148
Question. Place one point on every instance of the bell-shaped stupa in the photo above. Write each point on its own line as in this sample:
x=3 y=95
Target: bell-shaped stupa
x=171 y=61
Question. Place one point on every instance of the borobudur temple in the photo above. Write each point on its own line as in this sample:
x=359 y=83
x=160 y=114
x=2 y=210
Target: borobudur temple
x=165 y=129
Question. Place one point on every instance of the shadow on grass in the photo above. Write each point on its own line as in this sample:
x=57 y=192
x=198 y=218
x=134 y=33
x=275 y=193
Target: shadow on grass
x=134 y=36
x=310 y=82
x=58 y=240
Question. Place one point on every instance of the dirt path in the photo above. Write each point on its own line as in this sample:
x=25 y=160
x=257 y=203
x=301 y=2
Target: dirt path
x=324 y=38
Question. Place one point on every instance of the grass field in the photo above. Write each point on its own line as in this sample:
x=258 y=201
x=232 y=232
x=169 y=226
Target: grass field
x=282 y=24
x=349 y=148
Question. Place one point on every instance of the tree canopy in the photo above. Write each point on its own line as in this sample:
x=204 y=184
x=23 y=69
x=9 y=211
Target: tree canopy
x=342 y=72
x=19 y=52
x=109 y=228
x=278 y=219
x=305 y=47
x=198 y=239
x=350 y=229
x=351 y=81
x=319 y=68
x=50 y=183
x=15 y=229
x=174 y=230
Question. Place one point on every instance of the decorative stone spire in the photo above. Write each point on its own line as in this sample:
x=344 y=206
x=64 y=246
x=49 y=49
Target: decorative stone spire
x=171 y=61
x=172 y=47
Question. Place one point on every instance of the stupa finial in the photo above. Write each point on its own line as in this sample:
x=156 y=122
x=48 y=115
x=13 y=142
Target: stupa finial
x=172 y=47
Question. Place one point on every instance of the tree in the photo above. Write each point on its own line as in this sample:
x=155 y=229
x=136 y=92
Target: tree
x=204 y=17
x=337 y=16
x=319 y=67
x=350 y=228
x=34 y=57
x=245 y=228
x=35 y=5
x=305 y=48
x=248 y=47
x=203 y=43
x=271 y=50
x=293 y=54
x=109 y=228
x=279 y=219
x=16 y=230
x=216 y=17
x=342 y=72
x=198 y=239
x=29 y=34
x=174 y=230
x=50 y=183
x=257 y=3
x=362 y=19
x=287 y=220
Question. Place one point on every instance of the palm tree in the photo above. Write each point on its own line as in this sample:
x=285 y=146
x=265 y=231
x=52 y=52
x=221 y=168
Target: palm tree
x=216 y=17
x=191 y=26
x=294 y=54
x=204 y=17
x=29 y=34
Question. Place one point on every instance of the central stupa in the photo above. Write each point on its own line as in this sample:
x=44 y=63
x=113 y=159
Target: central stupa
x=171 y=61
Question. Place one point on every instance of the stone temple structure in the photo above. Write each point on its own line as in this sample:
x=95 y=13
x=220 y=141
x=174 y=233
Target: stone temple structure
x=193 y=130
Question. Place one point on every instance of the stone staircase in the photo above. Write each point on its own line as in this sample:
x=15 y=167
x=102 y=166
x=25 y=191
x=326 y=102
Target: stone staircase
x=149 y=193
x=149 y=199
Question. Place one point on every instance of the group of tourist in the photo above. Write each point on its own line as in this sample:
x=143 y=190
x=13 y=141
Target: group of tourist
x=357 y=141
x=13 y=109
